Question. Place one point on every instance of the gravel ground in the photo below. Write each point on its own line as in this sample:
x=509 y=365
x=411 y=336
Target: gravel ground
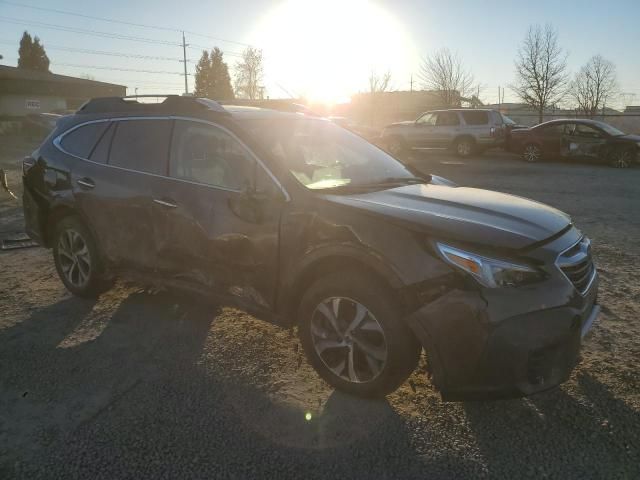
x=144 y=384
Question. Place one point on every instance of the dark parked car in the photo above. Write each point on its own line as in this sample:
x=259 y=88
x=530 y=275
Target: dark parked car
x=588 y=140
x=303 y=223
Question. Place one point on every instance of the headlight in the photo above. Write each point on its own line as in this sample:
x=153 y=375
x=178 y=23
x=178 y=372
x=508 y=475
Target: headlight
x=490 y=272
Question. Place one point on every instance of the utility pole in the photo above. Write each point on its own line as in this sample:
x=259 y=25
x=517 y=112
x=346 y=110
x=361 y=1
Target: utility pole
x=184 y=60
x=411 y=88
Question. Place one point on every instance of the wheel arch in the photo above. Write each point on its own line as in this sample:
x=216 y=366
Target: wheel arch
x=320 y=265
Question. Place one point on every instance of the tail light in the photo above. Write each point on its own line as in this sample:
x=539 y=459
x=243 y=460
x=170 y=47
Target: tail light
x=493 y=131
x=27 y=163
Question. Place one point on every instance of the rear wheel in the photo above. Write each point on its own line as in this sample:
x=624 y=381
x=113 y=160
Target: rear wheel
x=621 y=158
x=532 y=153
x=352 y=333
x=464 y=147
x=77 y=260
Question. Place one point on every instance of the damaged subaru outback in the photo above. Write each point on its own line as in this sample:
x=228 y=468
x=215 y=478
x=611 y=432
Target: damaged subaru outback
x=305 y=224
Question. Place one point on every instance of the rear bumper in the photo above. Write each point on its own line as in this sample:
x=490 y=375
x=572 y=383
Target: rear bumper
x=472 y=356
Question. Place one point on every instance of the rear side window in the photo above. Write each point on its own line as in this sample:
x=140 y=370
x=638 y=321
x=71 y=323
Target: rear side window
x=475 y=117
x=80 y=142
x=447 y=119
x=141 y=145
x=101 y=151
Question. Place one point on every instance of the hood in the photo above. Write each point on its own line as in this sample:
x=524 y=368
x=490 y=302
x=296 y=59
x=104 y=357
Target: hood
x=397 y=124
x=469 y=215
x=630 y=137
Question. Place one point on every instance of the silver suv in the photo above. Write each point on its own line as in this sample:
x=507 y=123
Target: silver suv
x=466 y=131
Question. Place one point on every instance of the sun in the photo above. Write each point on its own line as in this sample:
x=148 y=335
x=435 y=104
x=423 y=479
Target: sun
x=326 y=50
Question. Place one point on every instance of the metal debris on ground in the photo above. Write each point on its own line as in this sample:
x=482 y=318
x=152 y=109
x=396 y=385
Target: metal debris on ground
x=18 y=241
x=5 y=185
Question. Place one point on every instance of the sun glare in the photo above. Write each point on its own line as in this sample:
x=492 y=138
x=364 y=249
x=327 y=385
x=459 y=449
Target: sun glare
x=325 y=51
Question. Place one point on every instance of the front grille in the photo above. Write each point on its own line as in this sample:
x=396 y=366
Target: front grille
x=577 y=265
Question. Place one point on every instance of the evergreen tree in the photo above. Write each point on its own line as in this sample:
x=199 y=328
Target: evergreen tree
x=212 y=76
x=31 y=54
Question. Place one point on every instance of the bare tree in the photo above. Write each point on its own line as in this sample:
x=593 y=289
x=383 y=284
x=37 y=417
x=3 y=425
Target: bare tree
x=444 y=72
x=541 y=69
x=594 y=84
x=248 y=75
x=379 y=83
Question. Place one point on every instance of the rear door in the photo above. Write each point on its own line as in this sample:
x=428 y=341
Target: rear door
x=583 y=142
x=446 y=129
x=112 y=188
x=208 y=226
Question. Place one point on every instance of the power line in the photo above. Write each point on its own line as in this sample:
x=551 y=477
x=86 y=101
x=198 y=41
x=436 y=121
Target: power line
x=100 y=52
x=122 y=22
x=117 y=36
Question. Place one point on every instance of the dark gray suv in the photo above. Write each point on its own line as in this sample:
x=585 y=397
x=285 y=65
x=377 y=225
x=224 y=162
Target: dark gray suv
x=465 y=131
x=306 y=224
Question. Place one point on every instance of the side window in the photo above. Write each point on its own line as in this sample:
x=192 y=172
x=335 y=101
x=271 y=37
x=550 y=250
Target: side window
x=447 y=119
x=141 y=145
x=427 y=119
x=475 y=117
x=81 y=141
x=586 y=131
x=100 y=153
x=554 y=130
x=206 y=154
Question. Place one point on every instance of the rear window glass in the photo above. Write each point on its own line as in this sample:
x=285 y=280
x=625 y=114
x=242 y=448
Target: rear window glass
x=101 y=151
x=81 y=141
x=475 y=118
x=141 y=145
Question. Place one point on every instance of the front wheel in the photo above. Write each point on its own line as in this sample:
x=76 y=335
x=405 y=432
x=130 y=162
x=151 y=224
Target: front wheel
x=532 y=153
x=353 y=335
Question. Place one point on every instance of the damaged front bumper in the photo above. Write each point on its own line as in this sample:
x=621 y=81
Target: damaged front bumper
x=479 y=347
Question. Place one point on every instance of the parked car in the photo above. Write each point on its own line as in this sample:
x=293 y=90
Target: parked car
x=369 y=133
x=574 y=139
x=465 y=131
x=305 y=224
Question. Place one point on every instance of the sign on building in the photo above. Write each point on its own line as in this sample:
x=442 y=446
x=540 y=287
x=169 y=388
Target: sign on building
x=32 y=104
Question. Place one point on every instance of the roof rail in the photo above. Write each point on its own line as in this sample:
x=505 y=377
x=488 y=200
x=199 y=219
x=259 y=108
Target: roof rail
x=171 y=104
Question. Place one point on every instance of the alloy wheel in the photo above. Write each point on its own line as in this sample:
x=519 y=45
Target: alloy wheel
x=348 y=339
x=621 y=159
x=531 y=153
x=463 y=148
x=75 y=260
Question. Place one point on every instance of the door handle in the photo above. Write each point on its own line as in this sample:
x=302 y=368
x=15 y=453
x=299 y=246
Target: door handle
x=86 y=183
x=165 y=203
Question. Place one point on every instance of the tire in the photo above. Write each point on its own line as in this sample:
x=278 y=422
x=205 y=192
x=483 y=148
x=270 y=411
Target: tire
x=464 y=147
x=397 y=148
x=621 y=158
x=77 y=259
x=380 y=349
x=531 y=153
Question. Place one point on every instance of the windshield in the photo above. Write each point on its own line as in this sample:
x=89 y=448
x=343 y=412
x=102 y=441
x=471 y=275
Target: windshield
x=321 y=155
x=507 y=120
x=610 y=130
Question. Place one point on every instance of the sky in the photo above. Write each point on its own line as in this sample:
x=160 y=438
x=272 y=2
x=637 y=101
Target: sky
x=324 y=50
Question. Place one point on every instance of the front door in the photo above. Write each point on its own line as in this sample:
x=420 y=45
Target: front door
x=445 y=130
x=209 y=225
x=421 y=135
